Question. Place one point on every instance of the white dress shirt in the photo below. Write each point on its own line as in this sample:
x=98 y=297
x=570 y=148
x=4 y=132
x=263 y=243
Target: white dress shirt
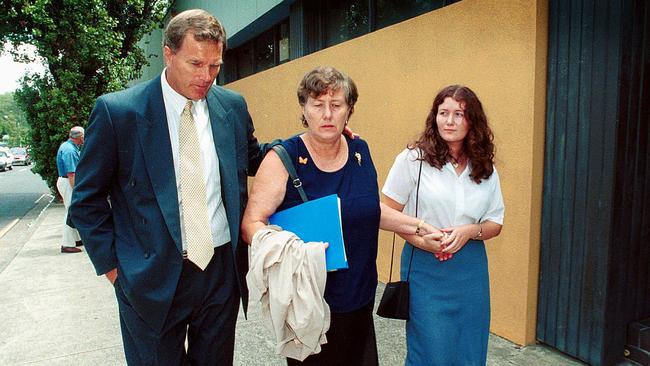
x=174 y=104
x=446 y=199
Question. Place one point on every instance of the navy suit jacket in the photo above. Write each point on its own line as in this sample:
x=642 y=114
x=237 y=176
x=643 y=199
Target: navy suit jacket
x=125 y=202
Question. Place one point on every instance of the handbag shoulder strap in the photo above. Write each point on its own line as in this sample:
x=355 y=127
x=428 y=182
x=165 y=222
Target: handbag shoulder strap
x=392 y=252
x=417 y=201
x=288 y=164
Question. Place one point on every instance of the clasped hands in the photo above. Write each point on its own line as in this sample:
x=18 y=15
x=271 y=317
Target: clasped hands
x=443 y=243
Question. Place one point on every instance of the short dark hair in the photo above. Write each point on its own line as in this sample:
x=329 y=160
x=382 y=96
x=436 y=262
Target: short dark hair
x=325 y=78
x=203 y=25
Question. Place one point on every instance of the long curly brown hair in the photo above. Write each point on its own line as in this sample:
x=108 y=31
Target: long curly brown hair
x=477 y=145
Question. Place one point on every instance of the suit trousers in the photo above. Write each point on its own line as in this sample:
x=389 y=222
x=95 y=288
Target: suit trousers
x=204 y=310
x=70 y=235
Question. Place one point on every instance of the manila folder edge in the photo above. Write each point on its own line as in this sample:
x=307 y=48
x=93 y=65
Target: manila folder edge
x=317 y=220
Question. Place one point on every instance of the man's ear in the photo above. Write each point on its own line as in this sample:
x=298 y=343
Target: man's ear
x=167 y=54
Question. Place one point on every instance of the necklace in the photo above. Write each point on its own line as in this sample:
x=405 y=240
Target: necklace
x=322 y=161
x=456 y=162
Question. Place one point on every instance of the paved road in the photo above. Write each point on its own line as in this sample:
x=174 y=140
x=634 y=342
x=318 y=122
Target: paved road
x=20 y=189
x=23 y=195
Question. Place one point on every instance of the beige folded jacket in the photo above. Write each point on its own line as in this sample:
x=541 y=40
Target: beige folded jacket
x=288 y=277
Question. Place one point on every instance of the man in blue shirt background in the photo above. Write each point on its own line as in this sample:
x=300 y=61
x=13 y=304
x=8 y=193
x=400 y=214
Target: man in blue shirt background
x=67 y=159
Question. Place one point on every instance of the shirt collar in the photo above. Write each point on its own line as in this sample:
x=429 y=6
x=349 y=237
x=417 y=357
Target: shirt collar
x=78 y=147
x=175 y=98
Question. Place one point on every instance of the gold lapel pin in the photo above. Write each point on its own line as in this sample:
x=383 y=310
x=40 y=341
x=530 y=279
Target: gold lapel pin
x=302 y=160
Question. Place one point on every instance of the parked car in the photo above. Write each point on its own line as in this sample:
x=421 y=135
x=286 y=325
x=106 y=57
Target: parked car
x=9 y=157
x=3 y=161
x=21 y=156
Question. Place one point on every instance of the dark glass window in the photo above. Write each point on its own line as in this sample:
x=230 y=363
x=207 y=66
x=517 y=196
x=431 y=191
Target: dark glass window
x=344 y=20
x=268 y=49
x=229 y=68
x=390 y=12
x=318 y=24
x=265 y=50
x=283 y=42
x=244 y=60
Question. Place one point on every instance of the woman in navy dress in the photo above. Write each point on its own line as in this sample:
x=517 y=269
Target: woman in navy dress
x=460 y=194
x=328 y=162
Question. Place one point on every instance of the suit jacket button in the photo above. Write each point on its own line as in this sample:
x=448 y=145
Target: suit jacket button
x=146 y=254
x=133 y=183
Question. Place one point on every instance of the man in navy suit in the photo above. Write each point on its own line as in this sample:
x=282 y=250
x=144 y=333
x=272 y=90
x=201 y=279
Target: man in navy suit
x=128 y=207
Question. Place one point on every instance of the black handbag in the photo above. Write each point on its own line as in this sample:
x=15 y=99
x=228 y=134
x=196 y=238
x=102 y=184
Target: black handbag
x=394 y=303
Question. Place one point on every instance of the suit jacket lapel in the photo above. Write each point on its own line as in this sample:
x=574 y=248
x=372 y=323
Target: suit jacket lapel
x=153 y=133
x=223 y=134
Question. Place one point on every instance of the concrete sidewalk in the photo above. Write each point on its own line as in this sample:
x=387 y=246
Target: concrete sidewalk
x=55 y=311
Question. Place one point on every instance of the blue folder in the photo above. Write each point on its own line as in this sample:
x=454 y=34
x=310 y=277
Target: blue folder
x=317 y=220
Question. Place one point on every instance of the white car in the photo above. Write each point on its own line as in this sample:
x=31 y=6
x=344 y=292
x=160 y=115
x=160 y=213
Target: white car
x=21 y=156
x=9 y=157
x=3 y=161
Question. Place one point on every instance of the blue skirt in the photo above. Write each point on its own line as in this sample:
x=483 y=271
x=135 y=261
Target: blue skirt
x=449 y=307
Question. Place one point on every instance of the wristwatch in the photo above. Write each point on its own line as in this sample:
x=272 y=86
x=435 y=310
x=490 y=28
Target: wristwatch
x=479 y=235
x=419 y=227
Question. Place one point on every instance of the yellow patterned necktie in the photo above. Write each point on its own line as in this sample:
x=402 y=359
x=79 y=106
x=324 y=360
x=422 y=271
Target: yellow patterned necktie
x=198 y=232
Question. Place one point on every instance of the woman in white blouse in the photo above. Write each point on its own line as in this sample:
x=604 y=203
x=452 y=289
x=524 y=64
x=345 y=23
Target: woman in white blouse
x=459 y=193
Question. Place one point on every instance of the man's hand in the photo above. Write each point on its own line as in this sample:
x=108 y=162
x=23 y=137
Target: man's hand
x=71 y=179
x=111 y=276
x=349 y=133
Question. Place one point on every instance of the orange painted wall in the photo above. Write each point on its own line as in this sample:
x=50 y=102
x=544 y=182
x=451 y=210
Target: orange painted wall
x=498 y=48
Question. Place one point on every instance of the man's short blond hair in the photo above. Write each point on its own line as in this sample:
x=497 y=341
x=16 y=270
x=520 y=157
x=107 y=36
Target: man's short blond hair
x=203 y=25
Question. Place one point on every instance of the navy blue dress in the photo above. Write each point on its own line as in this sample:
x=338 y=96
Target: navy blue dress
x=350 y=293
x=356 y=186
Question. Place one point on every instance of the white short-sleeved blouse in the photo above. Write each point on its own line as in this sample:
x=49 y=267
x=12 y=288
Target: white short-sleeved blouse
x=446 y=199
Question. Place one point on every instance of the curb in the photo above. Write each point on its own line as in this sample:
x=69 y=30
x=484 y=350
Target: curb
x=13 y=240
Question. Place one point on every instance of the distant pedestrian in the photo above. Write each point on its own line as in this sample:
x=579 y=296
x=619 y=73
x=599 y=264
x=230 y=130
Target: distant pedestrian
x=67 y=159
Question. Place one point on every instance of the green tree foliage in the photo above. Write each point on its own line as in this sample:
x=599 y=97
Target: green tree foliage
x=13 y=124
x=89 y=48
